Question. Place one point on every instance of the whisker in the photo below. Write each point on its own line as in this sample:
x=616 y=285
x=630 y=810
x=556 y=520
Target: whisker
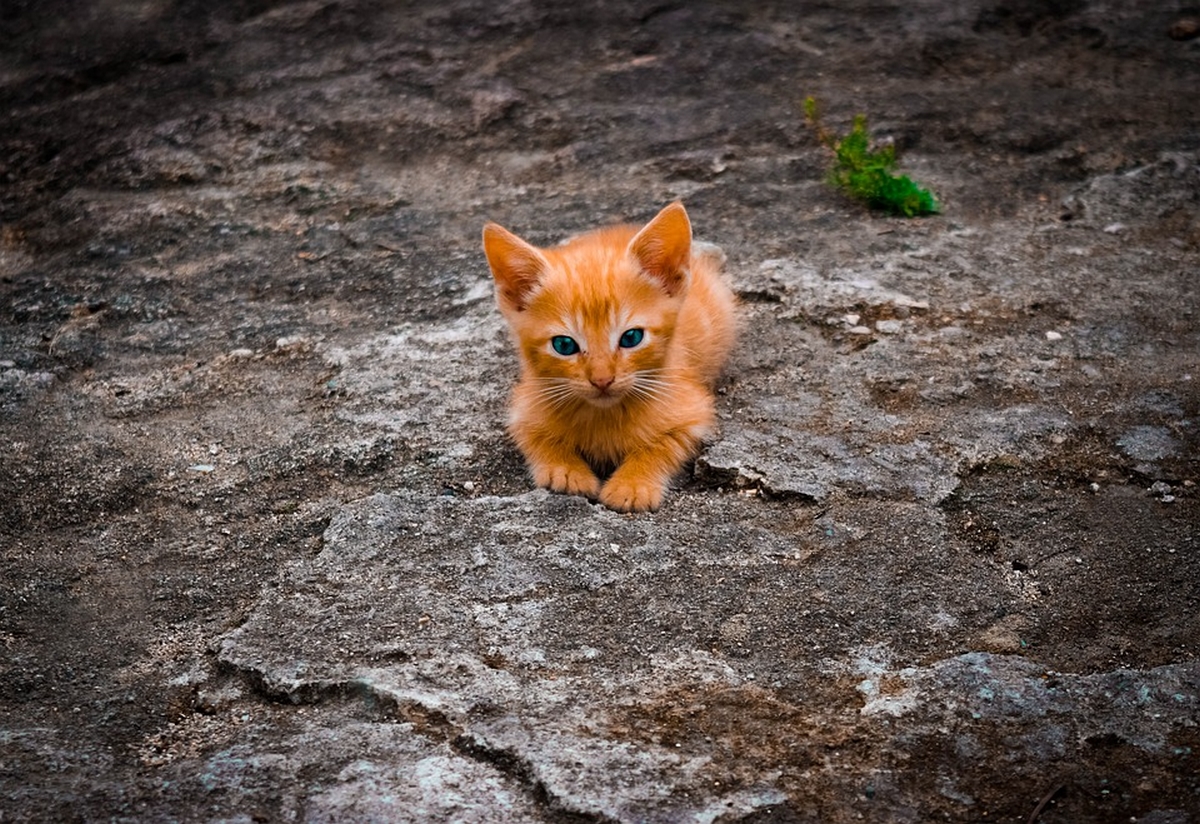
x=555 y=392
x=649 y=388
x=655 y=382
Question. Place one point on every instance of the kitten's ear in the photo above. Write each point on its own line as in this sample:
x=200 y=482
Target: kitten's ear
x=516 y=266
x=664 y=247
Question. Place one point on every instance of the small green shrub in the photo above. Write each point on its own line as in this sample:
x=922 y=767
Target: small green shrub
x=866 y=174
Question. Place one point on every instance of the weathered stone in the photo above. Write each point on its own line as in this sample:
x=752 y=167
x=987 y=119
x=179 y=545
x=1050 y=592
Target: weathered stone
x=269 y=555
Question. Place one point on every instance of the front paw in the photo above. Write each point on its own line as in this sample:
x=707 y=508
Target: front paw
x=632 y=495
x=571 y=480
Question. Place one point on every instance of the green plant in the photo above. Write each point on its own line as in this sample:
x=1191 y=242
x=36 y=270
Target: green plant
x=866 y=174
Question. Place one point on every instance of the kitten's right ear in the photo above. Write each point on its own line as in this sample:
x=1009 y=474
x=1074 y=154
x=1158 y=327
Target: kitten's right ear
x=516 y=266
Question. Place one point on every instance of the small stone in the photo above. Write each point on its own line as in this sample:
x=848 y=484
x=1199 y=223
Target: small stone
x=1114 y=228
x=202 y=468
x=859 y=330
x=1185 y=28
x=889 y=327
x=242 y=354
x=292 y=343
x=1052 y=336
x=210 y=701
x=851 y=319
x=1148 y=443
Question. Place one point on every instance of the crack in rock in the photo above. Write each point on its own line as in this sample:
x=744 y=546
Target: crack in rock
x=486 y=624
x=439 y=608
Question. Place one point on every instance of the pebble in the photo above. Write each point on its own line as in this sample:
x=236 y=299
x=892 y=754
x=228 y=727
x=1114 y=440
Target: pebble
x=1148 y=443
x=210 y=701
x=242 y=354
x=1163 y=490
x=1185 y=28
x=291 y=343
x=859 y=330
x=910 y=303
x=889 y=327
x=205 y=468
x=1054 y=335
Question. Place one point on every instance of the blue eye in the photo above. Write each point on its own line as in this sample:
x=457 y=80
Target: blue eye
x=564 y=345
x=632 y=337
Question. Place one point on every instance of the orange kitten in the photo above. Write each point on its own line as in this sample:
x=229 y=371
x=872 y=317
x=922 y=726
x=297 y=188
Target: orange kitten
x=621 y=333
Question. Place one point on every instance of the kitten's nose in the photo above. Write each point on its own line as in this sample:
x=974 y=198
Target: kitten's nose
x=602 y=382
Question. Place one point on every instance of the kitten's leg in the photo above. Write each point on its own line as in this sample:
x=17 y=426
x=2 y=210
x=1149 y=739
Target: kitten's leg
x=557 y=468
x=639 y=482
x=554 y=463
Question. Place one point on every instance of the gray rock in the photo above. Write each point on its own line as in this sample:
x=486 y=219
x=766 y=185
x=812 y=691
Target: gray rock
x=1148 y=443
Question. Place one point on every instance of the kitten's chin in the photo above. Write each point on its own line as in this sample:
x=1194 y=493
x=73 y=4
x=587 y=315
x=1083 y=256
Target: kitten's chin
x=605 y=400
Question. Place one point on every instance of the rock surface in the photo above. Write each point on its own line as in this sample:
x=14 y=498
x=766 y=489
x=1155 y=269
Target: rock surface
x=267 y=554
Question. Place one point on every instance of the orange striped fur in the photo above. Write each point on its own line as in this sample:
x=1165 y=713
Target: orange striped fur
x=650 y=323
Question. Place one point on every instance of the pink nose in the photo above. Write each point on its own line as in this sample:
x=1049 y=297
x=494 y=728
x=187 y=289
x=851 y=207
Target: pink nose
x=602 y=383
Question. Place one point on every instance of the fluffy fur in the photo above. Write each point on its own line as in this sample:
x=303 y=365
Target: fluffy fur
x=621 y=333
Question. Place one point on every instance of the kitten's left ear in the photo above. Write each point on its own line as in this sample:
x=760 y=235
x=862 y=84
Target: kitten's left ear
x=663 y=248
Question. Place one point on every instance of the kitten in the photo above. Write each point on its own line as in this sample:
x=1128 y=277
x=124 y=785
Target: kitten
x=621 y=333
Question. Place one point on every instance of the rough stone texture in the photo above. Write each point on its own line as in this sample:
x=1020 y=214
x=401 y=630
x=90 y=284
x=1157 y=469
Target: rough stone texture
x=267 y=554
x=666 y=668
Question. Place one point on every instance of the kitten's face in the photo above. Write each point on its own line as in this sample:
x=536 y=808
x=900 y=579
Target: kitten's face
x=600 y=351
x=594 y=318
